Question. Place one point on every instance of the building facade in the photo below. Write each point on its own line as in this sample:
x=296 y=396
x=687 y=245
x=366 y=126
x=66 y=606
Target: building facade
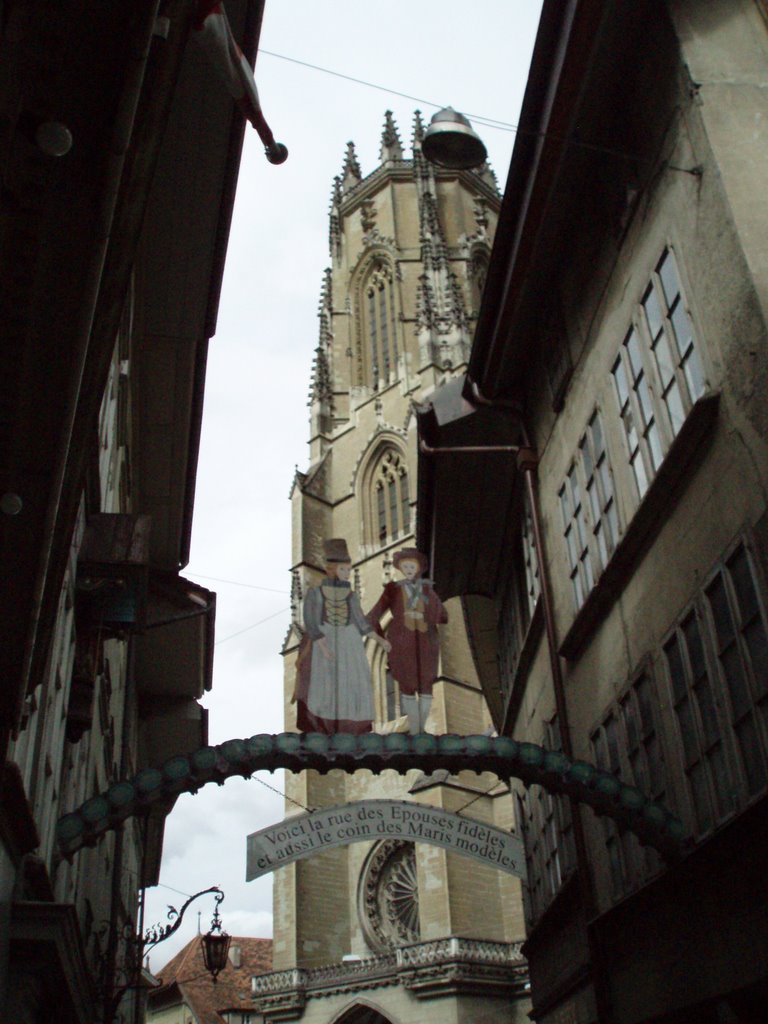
x=392 y=931
x=188 y=995
x=115 y=126
x=617 y=597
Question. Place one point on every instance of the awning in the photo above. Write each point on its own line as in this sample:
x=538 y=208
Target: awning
x=174 y=655
x=465 y=496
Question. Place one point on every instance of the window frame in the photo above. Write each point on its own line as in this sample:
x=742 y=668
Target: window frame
x=639 y=384
x=388 y=497
x=632 y=865
x=378 y=322
x=583 y=529
x=546 y=825
x=701 y=611
x=519 y=599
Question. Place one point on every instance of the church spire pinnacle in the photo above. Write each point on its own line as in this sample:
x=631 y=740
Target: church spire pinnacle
x=334 y=233
x=418 y=131
x=391 y=146
x=351 y=174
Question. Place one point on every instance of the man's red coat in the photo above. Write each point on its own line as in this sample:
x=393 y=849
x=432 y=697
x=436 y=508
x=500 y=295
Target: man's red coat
x=413 y=660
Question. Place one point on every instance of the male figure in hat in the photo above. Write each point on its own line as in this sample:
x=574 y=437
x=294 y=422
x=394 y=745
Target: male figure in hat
x=416 y=612
x=333 y=681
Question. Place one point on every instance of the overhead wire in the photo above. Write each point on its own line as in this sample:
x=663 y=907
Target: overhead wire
x=237 y=583
x=487 y=121
x=252 y=626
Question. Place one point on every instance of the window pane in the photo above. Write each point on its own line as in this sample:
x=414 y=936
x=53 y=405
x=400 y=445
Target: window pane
x=674 y=404
x=565 y=506
x=633 y=349
x=597 y=436
x=721 y=777
x=721 y=612
x=383 y=320
x=381 y=512
x=372 y=329
x=404 y=495
x=655 y=767
x=393 y=321
x=604 y=474
x=665 y=362
x=594 y=501
x=654 y=444
x=697 y=778
x=694 y=374
x=668 y=274
x=393 y=525
x=644 y=397
x=653 y=312
x=574 y=485
x=631 y=723
x=629 y=429
x=573 y=554
x=586 y=458
x=682 y=328
x=757 y=645
x=695 y=649
x=613 y=521
x=707 y=711
x=741 y=575
x=578 y=591
x=641 y=477
x=589 y=578
x=675 y=666
x=602 y=546
x=620 y=379
x=751 y=754
x=612 y=743
x=688 y=732
x=738 y=688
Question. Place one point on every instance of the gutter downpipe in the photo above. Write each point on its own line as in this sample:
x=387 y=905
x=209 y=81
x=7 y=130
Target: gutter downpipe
x=527 y=463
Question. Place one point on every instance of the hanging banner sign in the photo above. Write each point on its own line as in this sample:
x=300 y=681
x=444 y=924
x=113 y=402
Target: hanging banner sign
x=369 y=820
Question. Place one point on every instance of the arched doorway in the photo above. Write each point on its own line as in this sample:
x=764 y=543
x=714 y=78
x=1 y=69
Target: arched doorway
x=362 y=1014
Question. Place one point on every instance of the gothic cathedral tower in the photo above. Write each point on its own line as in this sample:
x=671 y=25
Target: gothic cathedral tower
x=409 y=247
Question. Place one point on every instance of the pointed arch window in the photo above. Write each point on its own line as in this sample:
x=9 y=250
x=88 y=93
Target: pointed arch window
x=379 y=324
x=478 y=272
x=391 y=504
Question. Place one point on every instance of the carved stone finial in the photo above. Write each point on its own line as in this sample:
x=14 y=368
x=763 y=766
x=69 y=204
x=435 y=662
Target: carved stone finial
x=351 y=174
x=418 y=131
x=334 y=232
x=488 y=175
x=391 y=146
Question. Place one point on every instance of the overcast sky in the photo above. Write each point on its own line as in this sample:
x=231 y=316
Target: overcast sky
x=255 y=425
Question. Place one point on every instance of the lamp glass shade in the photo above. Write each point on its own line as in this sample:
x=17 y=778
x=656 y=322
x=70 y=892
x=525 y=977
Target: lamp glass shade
x=215 y=951
x=451 y=142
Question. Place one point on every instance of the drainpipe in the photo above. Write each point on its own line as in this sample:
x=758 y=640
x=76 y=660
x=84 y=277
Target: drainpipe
x=527 y=462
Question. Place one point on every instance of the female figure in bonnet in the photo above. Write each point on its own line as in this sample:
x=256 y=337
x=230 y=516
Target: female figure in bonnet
x=333 y=685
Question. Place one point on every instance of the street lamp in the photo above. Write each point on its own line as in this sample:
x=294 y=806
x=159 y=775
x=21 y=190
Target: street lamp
x=216 y=944
x=451 y=142
x=215 y=947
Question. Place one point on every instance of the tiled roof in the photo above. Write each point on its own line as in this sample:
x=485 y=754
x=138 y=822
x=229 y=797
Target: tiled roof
x=186 y=978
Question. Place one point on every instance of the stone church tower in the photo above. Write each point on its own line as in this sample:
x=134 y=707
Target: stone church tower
x=409 y=248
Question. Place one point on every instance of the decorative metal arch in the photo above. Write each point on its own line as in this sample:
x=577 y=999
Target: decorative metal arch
x=607 y=795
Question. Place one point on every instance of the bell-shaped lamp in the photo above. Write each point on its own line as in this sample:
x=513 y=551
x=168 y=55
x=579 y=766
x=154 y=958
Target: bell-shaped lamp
x=451 y=142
